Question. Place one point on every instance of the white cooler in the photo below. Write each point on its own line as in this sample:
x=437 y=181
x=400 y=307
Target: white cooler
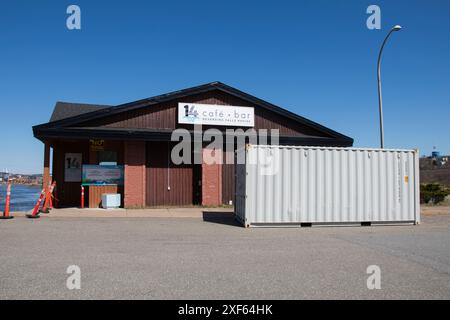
x=110 y=200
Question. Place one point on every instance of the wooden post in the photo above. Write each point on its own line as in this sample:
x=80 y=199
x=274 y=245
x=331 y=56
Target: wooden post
x=46 y=173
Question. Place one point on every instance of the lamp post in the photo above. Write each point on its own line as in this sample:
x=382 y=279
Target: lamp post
x=380 y=98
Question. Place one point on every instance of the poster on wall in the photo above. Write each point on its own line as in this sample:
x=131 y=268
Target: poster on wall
x=97 y=145
x=72 y=167
x=102 y=175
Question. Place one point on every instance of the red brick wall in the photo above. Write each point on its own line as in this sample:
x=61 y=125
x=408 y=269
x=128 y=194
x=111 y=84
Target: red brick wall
x=134 y=174
x=211 y=182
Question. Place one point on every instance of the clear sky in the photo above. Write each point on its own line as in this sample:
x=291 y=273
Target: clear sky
x=315 y=58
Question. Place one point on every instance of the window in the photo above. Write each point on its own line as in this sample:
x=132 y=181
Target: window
x=107 y=157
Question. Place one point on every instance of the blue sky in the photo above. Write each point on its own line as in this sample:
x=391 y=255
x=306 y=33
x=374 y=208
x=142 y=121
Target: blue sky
x=315 y=58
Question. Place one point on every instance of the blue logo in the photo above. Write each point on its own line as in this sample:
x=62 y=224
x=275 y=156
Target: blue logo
x=190 y=113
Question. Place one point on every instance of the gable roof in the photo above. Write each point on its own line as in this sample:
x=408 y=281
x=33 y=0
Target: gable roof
x=67 y=123
x=64 y=110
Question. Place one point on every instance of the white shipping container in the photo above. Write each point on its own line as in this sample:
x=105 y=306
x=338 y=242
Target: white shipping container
x=291 y=185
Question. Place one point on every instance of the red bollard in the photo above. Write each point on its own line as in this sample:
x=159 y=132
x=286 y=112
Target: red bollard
x=82 y=197
x=48 y=199
x=35 y=214
x=6 y=215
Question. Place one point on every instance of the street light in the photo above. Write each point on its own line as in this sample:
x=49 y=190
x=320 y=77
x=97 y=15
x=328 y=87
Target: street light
x=380 y=99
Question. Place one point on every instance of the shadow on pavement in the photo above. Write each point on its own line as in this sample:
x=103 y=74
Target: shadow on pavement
x=226 y=218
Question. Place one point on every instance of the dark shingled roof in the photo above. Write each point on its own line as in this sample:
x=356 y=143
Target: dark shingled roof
x=65 y=110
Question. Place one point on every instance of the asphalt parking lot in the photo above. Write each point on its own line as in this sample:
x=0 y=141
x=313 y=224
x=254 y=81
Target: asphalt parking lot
x=213 y=258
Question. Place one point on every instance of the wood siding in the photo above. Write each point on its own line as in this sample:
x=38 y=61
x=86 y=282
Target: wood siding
x=95 y=194
x=164 y=116
x=68 y=194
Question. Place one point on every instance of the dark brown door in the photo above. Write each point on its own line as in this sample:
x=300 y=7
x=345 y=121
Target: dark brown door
x=167 y=184
x=197 y=184
x=228 y=184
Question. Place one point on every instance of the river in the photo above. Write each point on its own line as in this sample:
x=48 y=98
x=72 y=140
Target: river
x=23 y=198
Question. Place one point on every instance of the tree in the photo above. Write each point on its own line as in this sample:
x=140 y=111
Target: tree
x=433 y=192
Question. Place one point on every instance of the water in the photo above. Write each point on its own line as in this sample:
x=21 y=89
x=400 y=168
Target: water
x=23 y=198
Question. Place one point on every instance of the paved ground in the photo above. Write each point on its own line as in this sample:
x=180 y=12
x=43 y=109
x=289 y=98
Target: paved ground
x=212 y=258
x=189 y=212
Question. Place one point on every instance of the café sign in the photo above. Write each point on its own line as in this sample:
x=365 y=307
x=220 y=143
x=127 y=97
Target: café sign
x=219 y=115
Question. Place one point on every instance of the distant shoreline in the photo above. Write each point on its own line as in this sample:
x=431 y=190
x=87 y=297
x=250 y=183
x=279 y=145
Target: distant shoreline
x=22 y=184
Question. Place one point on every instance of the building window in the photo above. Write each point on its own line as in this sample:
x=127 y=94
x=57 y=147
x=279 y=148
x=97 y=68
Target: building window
x=107 y=157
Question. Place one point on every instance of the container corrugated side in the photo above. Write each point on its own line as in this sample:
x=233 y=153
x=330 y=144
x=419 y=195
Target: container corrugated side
x=285 y=185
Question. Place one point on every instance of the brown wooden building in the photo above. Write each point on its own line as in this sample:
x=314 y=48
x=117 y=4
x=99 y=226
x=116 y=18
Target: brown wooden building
x=137 y=136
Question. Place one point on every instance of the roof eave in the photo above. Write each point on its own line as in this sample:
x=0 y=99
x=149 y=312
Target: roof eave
x=165 y=135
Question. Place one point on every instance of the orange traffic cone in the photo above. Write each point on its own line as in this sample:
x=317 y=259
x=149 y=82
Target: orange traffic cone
x=35 y=214
x=6 y=215
x=48 y=199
